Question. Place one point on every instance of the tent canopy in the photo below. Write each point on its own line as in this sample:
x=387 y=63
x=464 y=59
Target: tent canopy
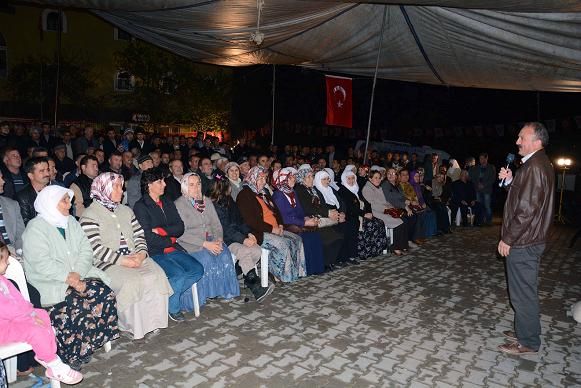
x=504 y=44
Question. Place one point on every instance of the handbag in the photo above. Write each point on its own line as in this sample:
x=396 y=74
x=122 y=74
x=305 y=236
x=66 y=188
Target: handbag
x=395 y=212
x=326 y=221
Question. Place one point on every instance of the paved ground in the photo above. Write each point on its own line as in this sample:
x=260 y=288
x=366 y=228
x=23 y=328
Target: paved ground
x=431 y=319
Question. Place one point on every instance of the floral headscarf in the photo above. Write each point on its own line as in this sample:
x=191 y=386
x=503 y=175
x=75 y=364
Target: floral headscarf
x=46 y=205
x=304 y=170
x=281 y=177
x=102 y=188
x=197 y=203
x=252 y=177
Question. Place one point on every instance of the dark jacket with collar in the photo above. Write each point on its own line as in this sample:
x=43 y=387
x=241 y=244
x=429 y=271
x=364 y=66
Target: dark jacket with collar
x=352 y=204
x=25 y=199
x=84 y=183
x=528 y=211
x=233 y=226
x=393 y=195
x=9 y=188
x=151 y=216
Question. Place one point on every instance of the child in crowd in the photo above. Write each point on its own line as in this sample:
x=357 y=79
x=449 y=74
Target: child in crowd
x=21 y=322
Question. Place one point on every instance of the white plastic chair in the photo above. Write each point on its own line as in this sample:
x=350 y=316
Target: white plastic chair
x=196 y=300
x=263 y=266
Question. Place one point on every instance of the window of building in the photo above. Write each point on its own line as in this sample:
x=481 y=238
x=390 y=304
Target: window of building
x=124 y=81
x=50 y=20
x=119 y=34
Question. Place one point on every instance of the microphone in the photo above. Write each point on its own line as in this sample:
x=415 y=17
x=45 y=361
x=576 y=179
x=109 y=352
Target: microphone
x=509 y=160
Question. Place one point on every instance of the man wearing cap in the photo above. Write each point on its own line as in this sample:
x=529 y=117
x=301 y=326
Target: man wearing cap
x=134 y=184
x=140 y=143
x=63 y=164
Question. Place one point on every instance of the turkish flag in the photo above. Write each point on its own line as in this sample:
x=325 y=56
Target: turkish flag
x=339 y=101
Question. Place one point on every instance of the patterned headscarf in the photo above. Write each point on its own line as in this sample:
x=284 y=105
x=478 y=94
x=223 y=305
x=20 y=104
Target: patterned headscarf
x=197 y=203
x=252 y=177
x=304 y=170
x=281 y=179
x=102 y=187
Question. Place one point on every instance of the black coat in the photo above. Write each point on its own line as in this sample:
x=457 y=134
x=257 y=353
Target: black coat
x=173 y=189
x=233 y=226
x=351 y=203
x=151 y=216
x=311 y=205
x=25 y=199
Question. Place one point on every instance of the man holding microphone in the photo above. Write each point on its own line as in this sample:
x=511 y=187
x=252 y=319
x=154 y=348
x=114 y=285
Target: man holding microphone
x=528 y=214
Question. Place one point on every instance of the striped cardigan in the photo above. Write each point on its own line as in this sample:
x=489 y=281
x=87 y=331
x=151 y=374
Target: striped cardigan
x=104 y=229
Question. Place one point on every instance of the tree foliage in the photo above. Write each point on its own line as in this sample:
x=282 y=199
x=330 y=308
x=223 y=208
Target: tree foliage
x=172 y=89
x=34 y=80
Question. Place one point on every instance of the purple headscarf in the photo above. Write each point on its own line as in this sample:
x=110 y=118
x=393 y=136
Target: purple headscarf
x=417 y=187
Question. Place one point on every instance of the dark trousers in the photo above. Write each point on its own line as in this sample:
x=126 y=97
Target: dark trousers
x=522 y=268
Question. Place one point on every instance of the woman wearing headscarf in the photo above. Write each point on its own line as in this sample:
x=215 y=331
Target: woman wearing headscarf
x=454 y=170
x=333 y=182
x=119 y=249
x=203 y=239
x=413 y=193
x=314 y=205
x=373 y=193
x=287 y=257
x=163 y=225
x=232 y=170
x=295 y=220
x=58 y=261
x=370 y=231
x=237 y=235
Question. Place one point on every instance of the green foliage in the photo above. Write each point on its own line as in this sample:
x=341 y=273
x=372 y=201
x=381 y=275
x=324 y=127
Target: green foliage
x=34 y=80
x=172 y=89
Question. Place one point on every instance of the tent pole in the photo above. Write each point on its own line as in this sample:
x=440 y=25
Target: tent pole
x=374 y=83
x=58 y=67
x=273 y=100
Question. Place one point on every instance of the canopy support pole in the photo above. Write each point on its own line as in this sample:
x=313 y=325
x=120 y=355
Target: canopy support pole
x=273 y=100
x=58 y=66
x=374 y=83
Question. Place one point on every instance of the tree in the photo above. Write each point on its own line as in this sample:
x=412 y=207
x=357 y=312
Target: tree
x=173 y=89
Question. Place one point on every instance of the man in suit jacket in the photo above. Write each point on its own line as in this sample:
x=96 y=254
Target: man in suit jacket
x=11 y=224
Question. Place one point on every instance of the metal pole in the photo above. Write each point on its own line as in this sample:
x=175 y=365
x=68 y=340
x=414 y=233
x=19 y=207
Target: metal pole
x=273 y=100
x=374 y=83
x=58 y=67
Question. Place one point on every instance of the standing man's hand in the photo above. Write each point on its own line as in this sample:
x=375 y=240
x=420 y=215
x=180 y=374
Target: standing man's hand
x=503 y=248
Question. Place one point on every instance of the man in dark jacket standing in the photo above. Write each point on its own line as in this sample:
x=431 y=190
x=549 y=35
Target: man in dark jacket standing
x=528 y=215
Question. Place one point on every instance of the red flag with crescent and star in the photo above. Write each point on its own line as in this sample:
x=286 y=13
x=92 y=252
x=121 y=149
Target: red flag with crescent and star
x=339 y=101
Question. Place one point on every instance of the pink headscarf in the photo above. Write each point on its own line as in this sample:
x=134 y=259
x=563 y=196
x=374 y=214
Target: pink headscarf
x=102 y=187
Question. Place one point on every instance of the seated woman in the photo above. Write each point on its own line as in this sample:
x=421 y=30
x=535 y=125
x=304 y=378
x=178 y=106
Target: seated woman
x=237 y=235
x=373 y=193
x=295 y=220
x=287 y=256
x=232 y=170
x=426 y=218
x=331 y=198
x=21 y=322
x=416 y=178
x=314 y=205
x=394 y=195
x=162 y=226
x=202 y=238
x=58 y=261
x=437 y=200
x=119 y=247
x=370 y=231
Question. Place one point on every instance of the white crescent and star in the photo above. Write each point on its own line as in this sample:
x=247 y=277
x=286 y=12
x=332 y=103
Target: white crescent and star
x=341 y=98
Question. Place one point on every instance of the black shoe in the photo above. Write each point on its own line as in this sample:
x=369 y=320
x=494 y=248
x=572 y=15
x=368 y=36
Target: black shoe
x=253 y=282
x=329 y=268
x=177 y=317
x=353 y=261
x=341 y=264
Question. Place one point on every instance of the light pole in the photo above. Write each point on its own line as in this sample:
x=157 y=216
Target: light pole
x=564 y=164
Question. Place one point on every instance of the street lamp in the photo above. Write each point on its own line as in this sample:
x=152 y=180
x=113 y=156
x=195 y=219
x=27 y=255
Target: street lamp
x=564 y=164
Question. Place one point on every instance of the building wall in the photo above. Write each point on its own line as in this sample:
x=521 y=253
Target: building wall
x=86 y=35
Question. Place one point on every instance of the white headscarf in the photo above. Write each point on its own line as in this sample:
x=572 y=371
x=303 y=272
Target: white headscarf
x=351 y=167
x=331 y=173
x=46 y=205
x=454 y=170
x=327 y=192
x=346 y=174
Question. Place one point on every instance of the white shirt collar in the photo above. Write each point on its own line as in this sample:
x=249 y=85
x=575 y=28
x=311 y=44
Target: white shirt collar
x=527 y=157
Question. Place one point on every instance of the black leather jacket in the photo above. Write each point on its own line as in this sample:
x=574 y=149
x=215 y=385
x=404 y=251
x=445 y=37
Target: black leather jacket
x=25 y=199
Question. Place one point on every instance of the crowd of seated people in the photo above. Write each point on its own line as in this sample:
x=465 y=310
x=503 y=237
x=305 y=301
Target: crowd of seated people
x=116 y=230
